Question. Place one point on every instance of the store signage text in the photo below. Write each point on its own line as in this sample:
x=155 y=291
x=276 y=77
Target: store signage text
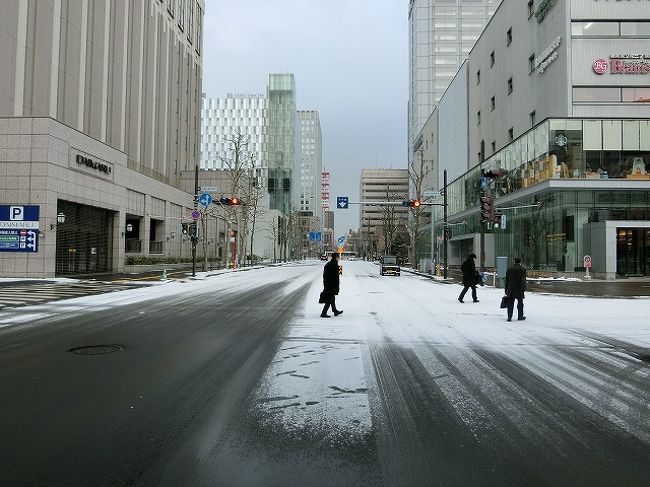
x=99 y=166
x=623 y=64
x=544 y=7
x=549 y=55
x=244 y=95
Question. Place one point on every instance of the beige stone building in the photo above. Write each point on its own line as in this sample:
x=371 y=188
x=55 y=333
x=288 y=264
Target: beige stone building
x=99 y=115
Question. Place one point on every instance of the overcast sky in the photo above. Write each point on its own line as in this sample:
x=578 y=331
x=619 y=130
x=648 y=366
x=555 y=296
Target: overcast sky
x=350 y=61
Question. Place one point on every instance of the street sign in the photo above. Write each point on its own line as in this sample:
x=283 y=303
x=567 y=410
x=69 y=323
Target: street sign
x=18 y=240
x=503 y=222
x=19 y=228
x=196 y=214
x=314 y=236
x=205 y=199
x=432 y=194
x=586 y=261
x=208 y=189
x=342 y=202
x=341 y=240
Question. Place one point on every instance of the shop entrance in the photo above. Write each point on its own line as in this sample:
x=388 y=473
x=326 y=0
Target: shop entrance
x=633 y=251
x=83 y=241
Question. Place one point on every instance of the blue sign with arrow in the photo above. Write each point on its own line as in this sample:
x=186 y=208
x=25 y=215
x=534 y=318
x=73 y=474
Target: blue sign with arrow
x=205 y=199
x=342 y=202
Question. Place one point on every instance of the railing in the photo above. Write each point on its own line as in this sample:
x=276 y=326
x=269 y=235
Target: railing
x=155 y=247
x=133 y=246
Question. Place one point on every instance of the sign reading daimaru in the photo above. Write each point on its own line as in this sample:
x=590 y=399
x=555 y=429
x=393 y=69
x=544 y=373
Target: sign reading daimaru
x=623 y=64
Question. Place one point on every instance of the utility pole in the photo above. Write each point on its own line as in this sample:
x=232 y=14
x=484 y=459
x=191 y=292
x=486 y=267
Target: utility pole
x=194 y=235
x=444 y=224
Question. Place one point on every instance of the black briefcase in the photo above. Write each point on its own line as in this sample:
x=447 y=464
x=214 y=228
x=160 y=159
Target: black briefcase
x=323 y=298
x=504 y=302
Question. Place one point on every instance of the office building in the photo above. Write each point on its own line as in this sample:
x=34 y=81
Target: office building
x=379 y=224
x=99 y=115
x=558 y=101
x=309 y=195
x=226 y=120
x=441 y=34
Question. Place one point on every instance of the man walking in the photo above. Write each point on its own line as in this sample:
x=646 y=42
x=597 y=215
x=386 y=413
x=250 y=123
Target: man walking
x=469 y=277
x=331 y=286
x=515 y=287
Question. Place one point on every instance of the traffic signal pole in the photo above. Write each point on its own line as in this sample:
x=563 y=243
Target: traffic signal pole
x=445 y=232
x=196 y=207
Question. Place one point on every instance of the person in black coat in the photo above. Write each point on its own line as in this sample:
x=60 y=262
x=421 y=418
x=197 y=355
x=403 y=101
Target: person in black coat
x=331 y=281
x=469 y=277
x=515 y=288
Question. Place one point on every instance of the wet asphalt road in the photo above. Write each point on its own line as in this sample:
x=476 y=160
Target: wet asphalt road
x=181 y=403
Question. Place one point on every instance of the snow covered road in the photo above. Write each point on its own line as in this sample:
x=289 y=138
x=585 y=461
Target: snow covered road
x=408 y=387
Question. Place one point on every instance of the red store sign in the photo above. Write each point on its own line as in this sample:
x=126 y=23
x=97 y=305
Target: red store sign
x=623 y=64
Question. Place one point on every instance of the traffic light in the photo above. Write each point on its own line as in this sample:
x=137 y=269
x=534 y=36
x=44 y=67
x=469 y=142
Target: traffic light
x=230 y=201
x=487 y=208
x=193 y=230
x=185 y=228
x=412 y=203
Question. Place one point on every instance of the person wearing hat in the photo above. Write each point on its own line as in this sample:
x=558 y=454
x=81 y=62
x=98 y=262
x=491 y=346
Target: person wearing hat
x=469 y=277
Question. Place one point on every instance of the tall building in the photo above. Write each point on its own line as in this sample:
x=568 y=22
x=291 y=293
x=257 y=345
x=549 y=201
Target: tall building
x=381 y=223
x=559 y=116
x=222 y=120
x=99 y=114
x=283 y=141
x=308 y=181
x=441 y=34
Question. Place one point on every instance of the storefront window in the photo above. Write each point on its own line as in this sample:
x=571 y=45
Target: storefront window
x=639 y=94
x=596 y=94
x=586 y=29
x=635 y=28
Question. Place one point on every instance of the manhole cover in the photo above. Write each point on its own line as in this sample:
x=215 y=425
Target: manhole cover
x=96 y=349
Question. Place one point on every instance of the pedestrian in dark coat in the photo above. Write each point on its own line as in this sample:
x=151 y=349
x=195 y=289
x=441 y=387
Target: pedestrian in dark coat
x=331 y=282
x=469 y=277
x=515 y=288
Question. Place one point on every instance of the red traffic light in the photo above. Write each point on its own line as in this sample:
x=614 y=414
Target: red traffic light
x=232 y=201
x=415 y=203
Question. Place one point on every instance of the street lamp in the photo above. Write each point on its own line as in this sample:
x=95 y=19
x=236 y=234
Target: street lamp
x=60 y=218
x=129 y=228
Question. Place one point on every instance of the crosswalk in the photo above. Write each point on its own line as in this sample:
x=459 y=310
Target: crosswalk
x=23 y=294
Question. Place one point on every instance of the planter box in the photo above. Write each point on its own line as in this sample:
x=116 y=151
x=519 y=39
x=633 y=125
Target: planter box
x=136 y=269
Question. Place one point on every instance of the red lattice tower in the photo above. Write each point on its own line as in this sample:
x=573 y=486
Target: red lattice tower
x=325 y=194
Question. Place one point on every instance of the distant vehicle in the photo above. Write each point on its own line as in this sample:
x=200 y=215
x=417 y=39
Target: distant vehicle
x=389 y=266
x=323 y=257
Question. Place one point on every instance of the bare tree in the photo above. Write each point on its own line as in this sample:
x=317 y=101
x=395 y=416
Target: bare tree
x=418 y=171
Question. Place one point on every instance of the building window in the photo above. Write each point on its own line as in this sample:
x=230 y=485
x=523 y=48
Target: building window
x=510 y=85
x=596 y=94
x=494 y=146
x=532 y=118
x=493 y=102
x=509 y=36
x=511 y=134
x=478 y=76
x=492 y=59
x=531 y=63
x=478 y=117
x=531 y=8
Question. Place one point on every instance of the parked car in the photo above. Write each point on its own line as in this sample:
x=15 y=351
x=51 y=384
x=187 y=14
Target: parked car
x=389 y=266
x=323 y=257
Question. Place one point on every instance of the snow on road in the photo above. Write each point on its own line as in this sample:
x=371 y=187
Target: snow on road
x=402 y=334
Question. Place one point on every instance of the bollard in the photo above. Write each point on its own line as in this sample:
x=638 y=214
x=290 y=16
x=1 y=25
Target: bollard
x=163 y=277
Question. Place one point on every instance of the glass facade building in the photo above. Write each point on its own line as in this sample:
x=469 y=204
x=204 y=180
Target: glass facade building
x=283 y=140
x=441 y=34
x=572 y=187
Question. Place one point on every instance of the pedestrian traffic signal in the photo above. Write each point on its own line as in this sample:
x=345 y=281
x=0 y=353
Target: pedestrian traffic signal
x=185 y=228
x=487 y=208
x=230 y=201
x=193 y=230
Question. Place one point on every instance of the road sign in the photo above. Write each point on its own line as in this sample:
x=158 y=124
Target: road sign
x=341 y=240
x=586 y=261
x=314 y=236
x=19 y=228
x=208 y=189
x=342 y=202
x=196 y=214
x=205 y=199
x=432 y=194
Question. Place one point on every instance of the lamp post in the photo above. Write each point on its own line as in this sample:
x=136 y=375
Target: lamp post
x=60 y=218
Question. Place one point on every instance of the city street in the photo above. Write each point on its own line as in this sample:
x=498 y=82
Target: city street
x=235 y=380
